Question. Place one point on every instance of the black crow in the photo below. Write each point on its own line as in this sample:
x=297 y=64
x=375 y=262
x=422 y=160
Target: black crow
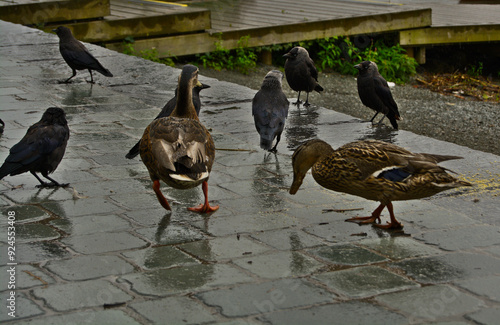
x=301 y=73
x=2 y=126
x=375 y=93
x=76 y=54
x=269 y=110
x=167 y=110
x=41 y=149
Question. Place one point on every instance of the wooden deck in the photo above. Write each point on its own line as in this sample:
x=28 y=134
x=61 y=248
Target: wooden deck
x=267 y=23
x=29 y=12
x=456 y=23
x=191 y=27
x=141 y=19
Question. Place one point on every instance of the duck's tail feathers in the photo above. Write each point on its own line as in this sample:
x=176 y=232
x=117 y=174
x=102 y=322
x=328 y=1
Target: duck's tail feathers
x=134 y=151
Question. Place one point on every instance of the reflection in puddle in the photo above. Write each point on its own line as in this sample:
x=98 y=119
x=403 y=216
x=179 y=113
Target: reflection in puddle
x=379 y=132
x=301 y=126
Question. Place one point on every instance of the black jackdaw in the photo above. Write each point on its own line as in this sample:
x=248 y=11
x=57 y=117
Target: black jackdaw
x=76 y=54
x=41 y=149
x=167 y=110
x=375 y=93
x=301 y=73
x=269 y=110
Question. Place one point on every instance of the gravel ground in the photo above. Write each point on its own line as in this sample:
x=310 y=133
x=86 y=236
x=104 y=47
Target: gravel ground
x=469 y=123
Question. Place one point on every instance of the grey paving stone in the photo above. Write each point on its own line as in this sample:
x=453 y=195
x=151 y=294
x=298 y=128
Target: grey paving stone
x=82 y=207
x=86 y=317
x=27 y=213
x=35 y=252
x=32 y=232
x=192 y=278
x=76 y=295
x=288 y=239
x=103 y=242
x=265 y=297
x=364 y=282
x=148 y=217
x=341 y=313
x=170 y=234
x=449 y=267
x=346 y=255
x=223 y=248
x=27 y=276
x=22 y=308
x=91 y=224
x=435 y=217
x=88 y=267
x=279 y=264
x=178 y=310
x=487 y=286
x=223 y=225
x=159 y=257
x=431 y=304
x=397 y=248
x=109 y=187
x=340 y=231
x=141 y=201
x=485 y=316
x=462 y=238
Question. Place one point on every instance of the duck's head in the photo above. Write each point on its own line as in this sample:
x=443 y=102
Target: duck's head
x=304 y=157
x=188 y=78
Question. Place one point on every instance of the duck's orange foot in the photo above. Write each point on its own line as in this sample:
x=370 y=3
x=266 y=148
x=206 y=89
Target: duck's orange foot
x=364 y=220
x=391 y=225
x=204 y=208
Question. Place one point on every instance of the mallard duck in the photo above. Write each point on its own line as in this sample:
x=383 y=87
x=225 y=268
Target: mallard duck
x=167 y=110
x=374 y=170
x=178 y=149
x=41 y=149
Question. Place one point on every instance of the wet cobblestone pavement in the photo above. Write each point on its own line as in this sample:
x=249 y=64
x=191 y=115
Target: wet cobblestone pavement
x=104 y=251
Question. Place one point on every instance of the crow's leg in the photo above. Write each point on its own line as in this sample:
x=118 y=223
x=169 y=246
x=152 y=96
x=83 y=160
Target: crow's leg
x=91 y=77
x=298 y=102
x=306 y=104
x=74 y=74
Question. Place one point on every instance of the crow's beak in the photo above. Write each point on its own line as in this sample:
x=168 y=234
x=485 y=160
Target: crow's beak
x=287 y=55
x=358 y=66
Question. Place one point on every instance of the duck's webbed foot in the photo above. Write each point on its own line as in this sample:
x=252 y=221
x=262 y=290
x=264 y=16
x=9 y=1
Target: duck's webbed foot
x=375 y=217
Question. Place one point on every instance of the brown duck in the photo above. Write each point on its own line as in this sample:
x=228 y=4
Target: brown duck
x=178 y=149
x=374 y=170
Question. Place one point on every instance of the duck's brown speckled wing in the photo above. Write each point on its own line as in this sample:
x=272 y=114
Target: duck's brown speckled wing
x=178 y=151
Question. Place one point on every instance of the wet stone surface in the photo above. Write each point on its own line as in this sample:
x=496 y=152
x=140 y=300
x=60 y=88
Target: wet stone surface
x=104 y=251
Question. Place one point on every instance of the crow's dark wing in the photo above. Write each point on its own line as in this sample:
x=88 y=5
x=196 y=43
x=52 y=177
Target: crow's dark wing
x=39 y=142
x=384 y=93
x=312 y=68
x=78 y=57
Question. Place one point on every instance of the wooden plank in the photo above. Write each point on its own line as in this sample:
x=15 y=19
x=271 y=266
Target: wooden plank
x=450 y=35
x=117 y=29
x=205 y=42
x=53 y=11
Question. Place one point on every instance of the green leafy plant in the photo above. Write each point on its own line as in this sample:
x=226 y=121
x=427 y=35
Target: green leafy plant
x=340 y=54
x=242 y=58
x=148 y=54
x=476 y=70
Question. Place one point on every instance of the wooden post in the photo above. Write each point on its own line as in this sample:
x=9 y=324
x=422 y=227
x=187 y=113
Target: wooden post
x=266 y=57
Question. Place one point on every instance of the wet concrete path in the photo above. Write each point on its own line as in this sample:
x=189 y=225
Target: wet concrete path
x=104 y=251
